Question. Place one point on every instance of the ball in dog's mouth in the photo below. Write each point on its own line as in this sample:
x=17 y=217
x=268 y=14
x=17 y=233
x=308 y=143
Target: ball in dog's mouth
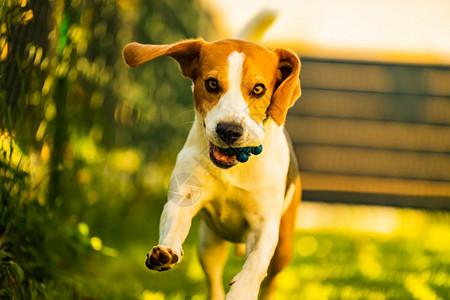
x=221 y=158
x=227 y=157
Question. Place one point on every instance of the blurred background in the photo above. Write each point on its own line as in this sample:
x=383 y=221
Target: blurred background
x=87 y=146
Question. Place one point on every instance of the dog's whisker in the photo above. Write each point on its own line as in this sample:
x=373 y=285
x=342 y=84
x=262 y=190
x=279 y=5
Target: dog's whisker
x=189 y=123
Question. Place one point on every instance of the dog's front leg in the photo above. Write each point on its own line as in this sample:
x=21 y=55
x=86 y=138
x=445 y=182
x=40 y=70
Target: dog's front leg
x=173 y=230
x=261 y=243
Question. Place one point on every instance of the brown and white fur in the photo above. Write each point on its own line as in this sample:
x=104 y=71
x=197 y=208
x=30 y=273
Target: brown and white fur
x=246 y=90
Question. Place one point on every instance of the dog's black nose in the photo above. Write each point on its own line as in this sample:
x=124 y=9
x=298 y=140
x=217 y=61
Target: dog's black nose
x=229 y=132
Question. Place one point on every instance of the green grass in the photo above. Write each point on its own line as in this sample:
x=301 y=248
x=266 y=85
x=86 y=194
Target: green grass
x=346 y=261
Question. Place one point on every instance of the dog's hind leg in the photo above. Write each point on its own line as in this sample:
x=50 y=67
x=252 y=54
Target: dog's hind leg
x=283 y=252
x=213 y=254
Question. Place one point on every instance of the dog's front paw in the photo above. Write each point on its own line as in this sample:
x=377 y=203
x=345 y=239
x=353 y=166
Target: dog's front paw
x=162 y=258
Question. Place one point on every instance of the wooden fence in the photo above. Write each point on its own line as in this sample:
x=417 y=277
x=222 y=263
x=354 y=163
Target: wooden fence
x=373 y=133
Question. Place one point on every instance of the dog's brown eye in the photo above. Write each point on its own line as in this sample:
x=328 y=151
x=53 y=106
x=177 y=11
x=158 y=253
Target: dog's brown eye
x=212 y=85
x=259 y=90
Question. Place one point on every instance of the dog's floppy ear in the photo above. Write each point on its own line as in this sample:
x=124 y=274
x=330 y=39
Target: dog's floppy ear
x=186 y=53
x=288 y=85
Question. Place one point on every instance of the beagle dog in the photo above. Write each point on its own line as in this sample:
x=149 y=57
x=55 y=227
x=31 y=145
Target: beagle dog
x=237 y=169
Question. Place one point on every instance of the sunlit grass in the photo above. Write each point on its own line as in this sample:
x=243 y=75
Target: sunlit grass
x=337 y=256
x=357 y=252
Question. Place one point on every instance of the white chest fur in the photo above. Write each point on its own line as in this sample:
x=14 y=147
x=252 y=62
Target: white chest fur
x=236 y=199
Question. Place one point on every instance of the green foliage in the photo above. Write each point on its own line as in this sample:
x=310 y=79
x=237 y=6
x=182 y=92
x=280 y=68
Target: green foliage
x=80 y=133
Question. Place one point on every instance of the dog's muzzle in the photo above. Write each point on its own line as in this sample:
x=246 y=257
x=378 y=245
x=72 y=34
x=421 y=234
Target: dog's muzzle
x=225 y=158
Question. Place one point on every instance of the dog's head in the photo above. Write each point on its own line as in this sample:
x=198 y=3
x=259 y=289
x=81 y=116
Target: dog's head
x=237 y=86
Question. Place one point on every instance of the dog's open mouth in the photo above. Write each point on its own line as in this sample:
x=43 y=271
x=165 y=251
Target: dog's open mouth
x=221 y=158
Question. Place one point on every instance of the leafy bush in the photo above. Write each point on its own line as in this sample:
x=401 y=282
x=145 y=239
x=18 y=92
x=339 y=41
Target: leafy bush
x=80 y=133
